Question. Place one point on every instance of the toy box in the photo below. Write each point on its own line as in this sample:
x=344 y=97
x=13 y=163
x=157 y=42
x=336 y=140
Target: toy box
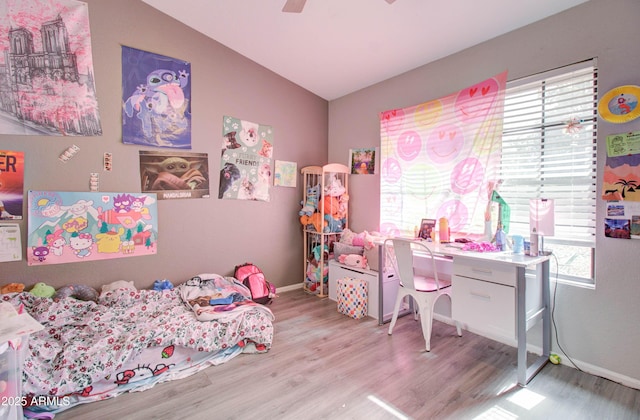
x=352 y=297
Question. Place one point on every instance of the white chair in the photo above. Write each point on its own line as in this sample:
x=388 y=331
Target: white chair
x=425 y=291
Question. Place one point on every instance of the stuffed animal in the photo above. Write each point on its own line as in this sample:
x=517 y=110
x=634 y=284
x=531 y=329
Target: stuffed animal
x=332 y=224
x=347 y=236
x=78 y=291
x=315 y=220
x=330 y=205
x=354 y=260
x=160 y=285
x=333 y=186
x=118 y=284
x=12 y=288
x=318 y=253
x=42 y=290
x=311 y=204
x=343 y=207
x=363 y=239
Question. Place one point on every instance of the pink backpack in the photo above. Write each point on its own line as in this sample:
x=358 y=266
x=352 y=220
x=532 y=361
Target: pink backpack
x=251 y=276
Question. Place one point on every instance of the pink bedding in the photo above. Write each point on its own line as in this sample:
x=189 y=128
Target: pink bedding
x=91 y=351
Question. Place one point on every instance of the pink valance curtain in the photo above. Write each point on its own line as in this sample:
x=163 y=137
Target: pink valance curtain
x=441 y=158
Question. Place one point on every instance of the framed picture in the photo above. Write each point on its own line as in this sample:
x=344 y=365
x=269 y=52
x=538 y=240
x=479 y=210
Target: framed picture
x=363 y=161
x=427 y=226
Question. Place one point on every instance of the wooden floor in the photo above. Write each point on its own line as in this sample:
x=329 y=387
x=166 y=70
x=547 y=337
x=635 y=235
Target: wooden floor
x=324 y=365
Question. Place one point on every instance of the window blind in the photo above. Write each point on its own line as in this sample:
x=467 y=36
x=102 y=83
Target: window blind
x=549 y=151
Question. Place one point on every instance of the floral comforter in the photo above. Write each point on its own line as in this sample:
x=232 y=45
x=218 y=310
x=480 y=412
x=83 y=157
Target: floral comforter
x=84 y=342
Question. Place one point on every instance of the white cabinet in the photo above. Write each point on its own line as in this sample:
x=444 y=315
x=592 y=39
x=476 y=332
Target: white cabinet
x=339 y=271
x=484 y=299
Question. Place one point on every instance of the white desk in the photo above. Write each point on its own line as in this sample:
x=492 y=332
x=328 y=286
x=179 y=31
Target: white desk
x=498 y=269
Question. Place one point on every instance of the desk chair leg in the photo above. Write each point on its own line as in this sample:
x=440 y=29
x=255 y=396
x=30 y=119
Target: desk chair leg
x=426 y=319
x=396 y=309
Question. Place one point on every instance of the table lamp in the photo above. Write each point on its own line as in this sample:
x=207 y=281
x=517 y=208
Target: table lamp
x=541 y=220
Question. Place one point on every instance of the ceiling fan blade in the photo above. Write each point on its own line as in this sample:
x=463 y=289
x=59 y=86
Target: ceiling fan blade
x=390 y=1
x=294 y=6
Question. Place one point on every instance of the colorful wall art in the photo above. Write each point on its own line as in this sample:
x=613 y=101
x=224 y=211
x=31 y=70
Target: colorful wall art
x=156 y=100
x=11 y=184
x=363 y=161
x=286 y=174
x=48 y=84
x=621 y=180
x=66 y=227
x=175 y=175
x=247 y=151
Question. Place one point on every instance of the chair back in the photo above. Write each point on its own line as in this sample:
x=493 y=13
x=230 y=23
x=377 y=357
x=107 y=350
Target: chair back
x=401 y=252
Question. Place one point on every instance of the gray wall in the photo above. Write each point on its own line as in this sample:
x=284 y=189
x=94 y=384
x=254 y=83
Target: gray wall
x=597 y=327
x=199 y=235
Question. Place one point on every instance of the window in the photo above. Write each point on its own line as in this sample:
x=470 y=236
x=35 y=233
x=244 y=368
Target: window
x=549 y=151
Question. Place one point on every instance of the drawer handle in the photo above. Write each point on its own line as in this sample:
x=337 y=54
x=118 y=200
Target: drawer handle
x=481 y=270
x=480 y=295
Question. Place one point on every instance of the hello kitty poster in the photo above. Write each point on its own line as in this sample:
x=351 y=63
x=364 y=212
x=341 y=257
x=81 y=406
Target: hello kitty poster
x=66 y=227
x=246 y=168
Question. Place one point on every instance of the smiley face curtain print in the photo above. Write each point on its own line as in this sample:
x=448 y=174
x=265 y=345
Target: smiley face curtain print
x=439 y=158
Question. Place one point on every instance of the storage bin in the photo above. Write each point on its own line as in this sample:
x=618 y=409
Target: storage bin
x=352 y=297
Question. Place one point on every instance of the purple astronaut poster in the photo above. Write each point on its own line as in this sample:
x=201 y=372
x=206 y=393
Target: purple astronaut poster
x=156 y=100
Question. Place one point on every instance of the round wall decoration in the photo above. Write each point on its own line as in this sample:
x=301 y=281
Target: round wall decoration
x=620 y=104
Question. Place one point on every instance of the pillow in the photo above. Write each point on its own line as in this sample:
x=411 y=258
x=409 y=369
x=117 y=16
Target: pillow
x=339 y=249
x=119 y=284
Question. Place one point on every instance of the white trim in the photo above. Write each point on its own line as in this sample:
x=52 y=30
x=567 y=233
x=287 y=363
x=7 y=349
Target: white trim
x=584 y=366
x=289 y=288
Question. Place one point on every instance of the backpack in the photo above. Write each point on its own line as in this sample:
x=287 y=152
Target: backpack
x=253 y=278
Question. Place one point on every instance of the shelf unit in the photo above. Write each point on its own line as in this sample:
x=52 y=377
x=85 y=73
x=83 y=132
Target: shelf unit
x=323 y=227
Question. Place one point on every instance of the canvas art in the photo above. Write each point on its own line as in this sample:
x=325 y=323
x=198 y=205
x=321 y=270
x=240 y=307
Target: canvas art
x=11 y=184
x=621 y=180
x=247 y=154
x=363 y=161
x=66 y=227
x=156 y=100
x=175 y=175
x=48 y=83
x=286 y=174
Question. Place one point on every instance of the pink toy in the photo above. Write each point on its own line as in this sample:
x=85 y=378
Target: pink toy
x=354 y=260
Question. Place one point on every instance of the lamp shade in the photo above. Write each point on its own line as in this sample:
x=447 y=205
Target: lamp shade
x=541 y=216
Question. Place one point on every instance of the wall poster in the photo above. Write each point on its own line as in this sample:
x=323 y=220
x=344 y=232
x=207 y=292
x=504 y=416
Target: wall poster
x=65 y=227
x=175 y=175
x=48 y=85
x=11 y=184
x=363 y=161
x=286 y=174
x=621 y=180
x=247 y=151
x=156 y=100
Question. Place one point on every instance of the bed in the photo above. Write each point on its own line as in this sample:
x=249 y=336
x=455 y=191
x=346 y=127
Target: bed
x=131 y=340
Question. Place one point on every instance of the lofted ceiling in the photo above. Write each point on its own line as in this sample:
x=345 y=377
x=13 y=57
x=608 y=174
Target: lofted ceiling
x=335 y=47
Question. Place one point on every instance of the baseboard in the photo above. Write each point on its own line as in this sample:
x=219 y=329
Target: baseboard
x=598 y=371
x=585 y=367
x=289 y=288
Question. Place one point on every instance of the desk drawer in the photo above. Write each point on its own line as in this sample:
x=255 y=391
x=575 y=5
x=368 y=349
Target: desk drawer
x=484 y=307
x=485 y=270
